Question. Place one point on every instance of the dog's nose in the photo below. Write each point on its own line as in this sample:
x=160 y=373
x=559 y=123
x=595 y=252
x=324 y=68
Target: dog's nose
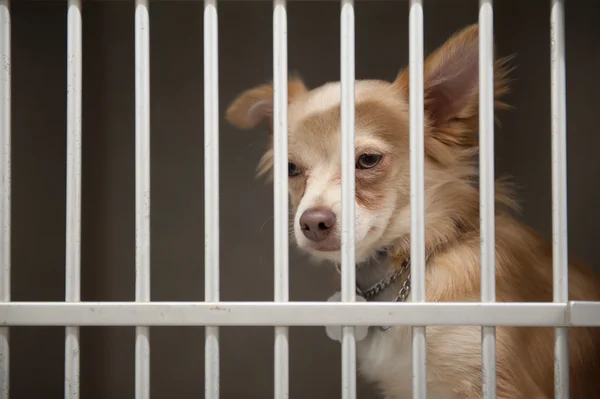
x=316 y=223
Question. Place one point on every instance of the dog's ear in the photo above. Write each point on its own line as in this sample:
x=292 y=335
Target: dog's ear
x=255 y=106
x=451 y=87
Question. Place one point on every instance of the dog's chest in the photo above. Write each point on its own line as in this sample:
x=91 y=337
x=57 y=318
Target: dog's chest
x=385 y=358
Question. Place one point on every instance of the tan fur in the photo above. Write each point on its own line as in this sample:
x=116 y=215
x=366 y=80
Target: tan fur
x=523 y=258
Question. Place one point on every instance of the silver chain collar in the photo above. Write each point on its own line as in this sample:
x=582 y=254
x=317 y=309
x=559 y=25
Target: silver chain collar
x=377 y=288
x=404 y=291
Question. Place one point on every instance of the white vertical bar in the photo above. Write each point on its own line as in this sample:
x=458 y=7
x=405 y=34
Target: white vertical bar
x=559 y=192
x=142 y=192
x=280 y=144
x=73 y=236
x=417 y=192
x=211 y=192
x=486 y=187
x=348 y=193
x=5 y=175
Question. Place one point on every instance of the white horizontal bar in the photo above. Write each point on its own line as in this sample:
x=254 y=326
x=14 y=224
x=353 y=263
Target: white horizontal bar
x=348 y=250
x=5 y=187
x=142 y=192
x=73 y=234
x=211 y=193
x=280 y=191
x=486 y=190
x=584 y=313
x=298 y=314
x=560 y=255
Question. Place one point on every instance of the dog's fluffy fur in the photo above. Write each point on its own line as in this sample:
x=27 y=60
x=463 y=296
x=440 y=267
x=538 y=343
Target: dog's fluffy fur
x=523 y=258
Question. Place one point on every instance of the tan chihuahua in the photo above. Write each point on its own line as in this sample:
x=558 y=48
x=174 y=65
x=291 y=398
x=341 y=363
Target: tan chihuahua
x=452 y=230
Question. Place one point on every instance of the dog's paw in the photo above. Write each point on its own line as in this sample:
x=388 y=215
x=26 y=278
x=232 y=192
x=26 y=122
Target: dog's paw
x=335 y=332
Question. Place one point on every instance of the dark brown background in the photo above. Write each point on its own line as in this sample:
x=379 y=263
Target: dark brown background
x=39 y=113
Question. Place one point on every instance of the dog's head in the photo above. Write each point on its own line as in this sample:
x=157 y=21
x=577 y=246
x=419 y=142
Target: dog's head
x=382 y=150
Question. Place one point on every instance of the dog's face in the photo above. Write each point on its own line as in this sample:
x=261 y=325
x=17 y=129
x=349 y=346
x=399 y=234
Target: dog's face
x=381 y=147
x=315 y=171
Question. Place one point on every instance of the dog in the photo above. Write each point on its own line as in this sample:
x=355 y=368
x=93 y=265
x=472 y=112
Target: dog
x=452 y=227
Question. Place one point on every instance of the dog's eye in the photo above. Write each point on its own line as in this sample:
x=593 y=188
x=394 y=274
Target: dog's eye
x=368 y=161
x=293 y=170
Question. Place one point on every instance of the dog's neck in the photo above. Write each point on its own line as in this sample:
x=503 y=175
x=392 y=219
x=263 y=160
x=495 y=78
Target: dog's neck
x=386 y=275
x=378 y=279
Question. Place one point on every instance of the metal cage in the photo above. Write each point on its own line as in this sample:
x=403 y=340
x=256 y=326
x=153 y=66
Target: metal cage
x=72 y=313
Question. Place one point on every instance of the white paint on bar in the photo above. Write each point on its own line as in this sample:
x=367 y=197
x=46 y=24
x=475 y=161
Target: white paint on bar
x=299 y=314
x=417 y=195
x=211 y=193
x=73 y=234
x=486 y=190
x=142 y=192
x=5 y=186
x=280 y=191
x=348 y=192
x=559 y=192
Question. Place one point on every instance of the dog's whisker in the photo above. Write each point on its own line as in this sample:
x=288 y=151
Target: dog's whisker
x=264 y=223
